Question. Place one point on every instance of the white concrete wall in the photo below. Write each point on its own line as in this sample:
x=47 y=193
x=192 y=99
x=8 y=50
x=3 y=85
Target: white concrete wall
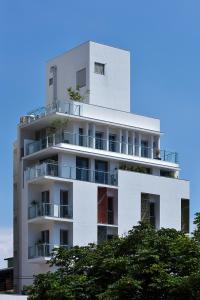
x=120 y=117
x=85 y=213
x=132 y=184
x=67 y=66
x=109 y=90
x=113 y=88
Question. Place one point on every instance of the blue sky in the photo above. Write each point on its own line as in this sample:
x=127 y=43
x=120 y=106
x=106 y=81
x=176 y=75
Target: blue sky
x=164 y=40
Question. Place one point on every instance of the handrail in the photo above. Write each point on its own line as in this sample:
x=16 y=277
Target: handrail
x=65 y=171
x=43 y=249
x=101 y=144
x=61 y=106
x=50 y=210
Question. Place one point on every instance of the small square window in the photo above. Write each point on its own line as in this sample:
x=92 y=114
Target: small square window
x=99 y=68
x=81 y=78
x=50 y=81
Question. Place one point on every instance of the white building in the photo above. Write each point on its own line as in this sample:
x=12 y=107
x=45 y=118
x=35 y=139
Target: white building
x=87 y=171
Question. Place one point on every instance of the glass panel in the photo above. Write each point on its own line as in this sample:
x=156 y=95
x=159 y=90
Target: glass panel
x=81 y=78
x=63 y=237
x=99 y=68
x=185 y=215
x=112 y=142
x=99 y=140
x=144 y=149
x=101 y=168
x=82 y=172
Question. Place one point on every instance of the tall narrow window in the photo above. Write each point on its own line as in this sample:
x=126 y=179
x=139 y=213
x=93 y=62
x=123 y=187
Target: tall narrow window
x=63 y=237
x=185 y=218
x=99 y=68
x=110 y=210
x=81 y=78
x=51 y=81
x=45 y=208
x=81 y=137
x=64 y=205
x=99 y=140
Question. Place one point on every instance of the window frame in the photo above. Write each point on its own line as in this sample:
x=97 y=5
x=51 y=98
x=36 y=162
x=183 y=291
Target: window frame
x=98 y=64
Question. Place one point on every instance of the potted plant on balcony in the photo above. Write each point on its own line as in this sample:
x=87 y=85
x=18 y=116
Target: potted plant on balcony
x=157 y=154
x=34 y=202
x=75 y=95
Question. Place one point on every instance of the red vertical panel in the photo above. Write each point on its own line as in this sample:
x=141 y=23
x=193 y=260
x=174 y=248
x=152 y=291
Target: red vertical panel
x=102 y=205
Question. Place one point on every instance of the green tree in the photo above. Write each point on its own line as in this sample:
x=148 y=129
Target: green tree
x=144 y=265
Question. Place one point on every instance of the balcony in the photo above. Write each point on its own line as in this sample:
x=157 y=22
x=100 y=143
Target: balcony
x=74 y=173
x=101 y=144
x=42 y=250
x=64 y=107
x=50 y=210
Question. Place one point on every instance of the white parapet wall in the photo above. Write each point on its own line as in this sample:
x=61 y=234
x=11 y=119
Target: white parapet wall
x=169 y=190
x=12 y=297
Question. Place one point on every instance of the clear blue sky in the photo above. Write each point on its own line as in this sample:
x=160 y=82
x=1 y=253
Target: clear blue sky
x=164 y=40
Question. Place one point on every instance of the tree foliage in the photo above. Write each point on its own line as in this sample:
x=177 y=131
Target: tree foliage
x=145 y=264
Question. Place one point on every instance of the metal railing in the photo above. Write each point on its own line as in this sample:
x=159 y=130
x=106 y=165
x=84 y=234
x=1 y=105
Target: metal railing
x=63 y=171
x=50 y=210
x=101 y=144
x=42 y=250
x=65 y=107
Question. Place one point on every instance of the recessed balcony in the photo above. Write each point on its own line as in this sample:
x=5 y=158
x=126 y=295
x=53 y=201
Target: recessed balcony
x=110 y=144
x=42 y=251
x=49 y=211
x=73 y=173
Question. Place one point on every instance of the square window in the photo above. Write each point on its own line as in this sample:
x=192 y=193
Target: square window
x=99 y=68
x=81 y=78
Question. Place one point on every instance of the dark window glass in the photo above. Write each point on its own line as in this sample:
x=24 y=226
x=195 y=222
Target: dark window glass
x=81 y=78
x=99 y=68
x=99 y=140
x=50 y=81
x=112 y=142
x=185 y=218
x=64 y=207
x=82 y=171
x=80 y=137
x=63 y=237
x=144 y=149
x=101 y=169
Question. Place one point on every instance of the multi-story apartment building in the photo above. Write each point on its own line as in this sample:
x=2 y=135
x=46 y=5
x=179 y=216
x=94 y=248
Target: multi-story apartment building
x=88 y=170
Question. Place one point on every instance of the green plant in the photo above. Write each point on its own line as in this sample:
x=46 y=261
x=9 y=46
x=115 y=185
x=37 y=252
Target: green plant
x=131 y=168
x=75 y=94
x=57 y=124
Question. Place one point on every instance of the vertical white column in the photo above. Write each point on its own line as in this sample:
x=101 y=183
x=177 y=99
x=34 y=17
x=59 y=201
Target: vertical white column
x=133 y=142
x=120 y=141
x=151 y=146
x=126 y=142
x=85 y=138
x=158 y=142
x=93 y=135
x=139 y=144
x=107 y=139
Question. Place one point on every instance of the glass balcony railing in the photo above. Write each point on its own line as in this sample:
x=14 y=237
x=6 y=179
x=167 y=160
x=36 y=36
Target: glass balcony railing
x=101 y=144
x=50 y=210
x=64 y=107
x=63 y=171
x=42 y=250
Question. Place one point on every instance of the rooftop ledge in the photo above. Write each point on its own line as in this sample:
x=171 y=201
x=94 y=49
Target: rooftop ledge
x=96 y=113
